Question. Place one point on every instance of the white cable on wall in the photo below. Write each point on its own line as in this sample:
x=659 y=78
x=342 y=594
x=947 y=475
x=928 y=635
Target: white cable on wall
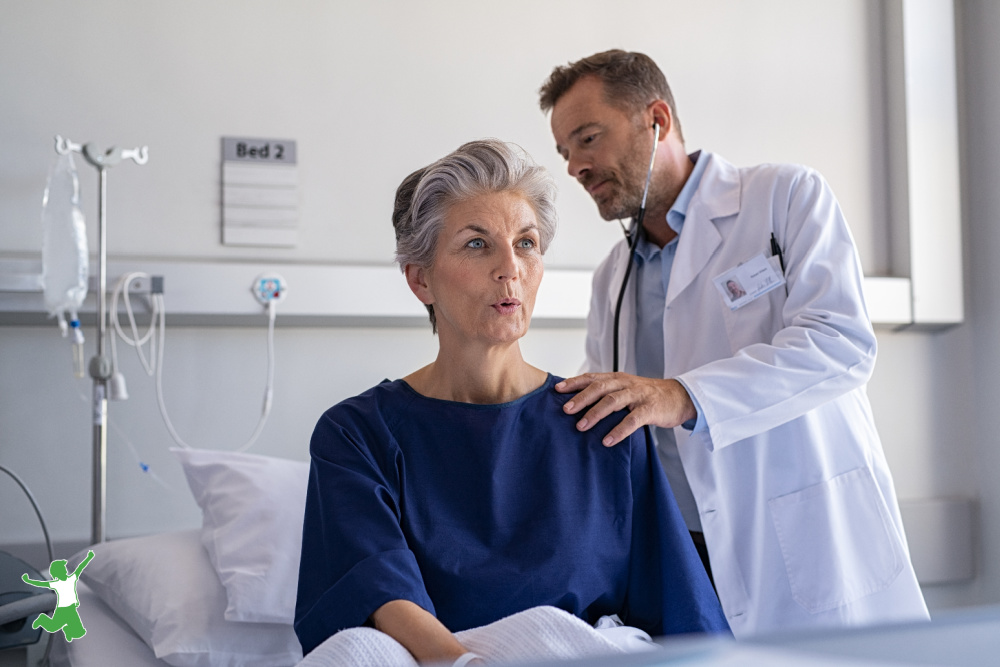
x=154 y=365
x=122 y=287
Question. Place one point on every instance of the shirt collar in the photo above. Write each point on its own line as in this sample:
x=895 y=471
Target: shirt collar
x=678 y=212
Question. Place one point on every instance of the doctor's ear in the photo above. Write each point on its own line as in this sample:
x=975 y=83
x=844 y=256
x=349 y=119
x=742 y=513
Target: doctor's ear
x=661 y=116
x=416 y=278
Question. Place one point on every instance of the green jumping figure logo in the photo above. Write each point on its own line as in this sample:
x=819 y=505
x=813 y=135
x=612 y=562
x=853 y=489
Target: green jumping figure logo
x=65 y=617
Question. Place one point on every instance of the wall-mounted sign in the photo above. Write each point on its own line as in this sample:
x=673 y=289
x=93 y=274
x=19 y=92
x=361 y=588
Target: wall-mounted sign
x=260 y=198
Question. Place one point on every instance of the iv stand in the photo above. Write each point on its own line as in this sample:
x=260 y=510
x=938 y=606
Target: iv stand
x=100 y=365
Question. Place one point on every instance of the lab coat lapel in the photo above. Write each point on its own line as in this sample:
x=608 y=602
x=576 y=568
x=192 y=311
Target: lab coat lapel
x=626 y=342
x=718 y=196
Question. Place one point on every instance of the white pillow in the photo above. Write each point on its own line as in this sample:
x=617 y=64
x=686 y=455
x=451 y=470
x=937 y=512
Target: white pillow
x=252 y=510
x=164 y=587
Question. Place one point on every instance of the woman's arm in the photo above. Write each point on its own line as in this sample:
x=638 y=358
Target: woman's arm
x=356 y=564
x=418 y=631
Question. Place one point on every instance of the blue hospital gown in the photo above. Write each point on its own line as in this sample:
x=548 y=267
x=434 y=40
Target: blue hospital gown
x=475 y=512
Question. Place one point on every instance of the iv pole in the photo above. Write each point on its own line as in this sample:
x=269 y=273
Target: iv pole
x=100 y=364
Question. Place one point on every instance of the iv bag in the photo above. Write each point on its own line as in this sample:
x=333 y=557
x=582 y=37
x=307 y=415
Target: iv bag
x=65 y=261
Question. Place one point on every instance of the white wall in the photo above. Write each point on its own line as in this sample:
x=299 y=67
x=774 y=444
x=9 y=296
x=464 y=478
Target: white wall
x=371 y=91
x=979 y=25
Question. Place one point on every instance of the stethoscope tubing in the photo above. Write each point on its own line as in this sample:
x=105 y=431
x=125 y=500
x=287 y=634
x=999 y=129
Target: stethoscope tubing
x=632 y=237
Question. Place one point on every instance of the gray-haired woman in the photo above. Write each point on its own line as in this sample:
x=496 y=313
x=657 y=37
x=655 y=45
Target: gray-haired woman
x=462 y=493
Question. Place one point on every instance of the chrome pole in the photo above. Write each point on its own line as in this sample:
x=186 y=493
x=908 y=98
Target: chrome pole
x=102 y=265
x=100 y=371
x=100 y=365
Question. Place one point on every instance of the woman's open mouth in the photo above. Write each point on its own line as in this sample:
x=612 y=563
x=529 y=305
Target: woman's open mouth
x=507 y=306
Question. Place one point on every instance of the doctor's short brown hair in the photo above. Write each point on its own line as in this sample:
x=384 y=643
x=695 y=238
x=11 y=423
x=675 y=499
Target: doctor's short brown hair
x=631 y=82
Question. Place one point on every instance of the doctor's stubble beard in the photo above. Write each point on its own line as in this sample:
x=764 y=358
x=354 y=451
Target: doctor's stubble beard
x=624 y=200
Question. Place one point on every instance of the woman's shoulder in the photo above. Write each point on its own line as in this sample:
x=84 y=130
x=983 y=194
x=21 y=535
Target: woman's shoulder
x=566 y=423
x=560 y=399
x=386 y=394
x=372 y=410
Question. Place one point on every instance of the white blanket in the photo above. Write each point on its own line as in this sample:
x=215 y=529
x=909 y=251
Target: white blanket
x=541 y=633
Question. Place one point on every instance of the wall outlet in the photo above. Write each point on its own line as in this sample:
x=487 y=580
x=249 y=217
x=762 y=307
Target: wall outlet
x=268 y=287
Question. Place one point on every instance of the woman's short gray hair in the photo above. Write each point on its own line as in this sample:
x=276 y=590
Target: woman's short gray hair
x=475 y=168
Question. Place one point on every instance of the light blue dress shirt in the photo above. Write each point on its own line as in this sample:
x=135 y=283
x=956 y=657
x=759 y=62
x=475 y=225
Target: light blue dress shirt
x=653 y=265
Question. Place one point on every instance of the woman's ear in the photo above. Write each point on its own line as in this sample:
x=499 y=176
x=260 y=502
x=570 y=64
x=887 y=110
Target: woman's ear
x=416 y=278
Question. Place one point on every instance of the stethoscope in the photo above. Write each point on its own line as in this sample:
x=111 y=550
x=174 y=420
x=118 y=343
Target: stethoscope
x=632 y=238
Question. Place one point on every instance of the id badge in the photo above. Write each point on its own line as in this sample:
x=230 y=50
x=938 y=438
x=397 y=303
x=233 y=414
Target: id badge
x=748 y=281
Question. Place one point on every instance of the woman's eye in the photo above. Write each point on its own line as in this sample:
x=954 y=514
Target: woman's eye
x=526 y=243
x=476 y=243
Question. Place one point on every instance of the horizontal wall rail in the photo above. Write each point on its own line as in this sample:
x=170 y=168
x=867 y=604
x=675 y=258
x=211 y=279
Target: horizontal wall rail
x=219 y=293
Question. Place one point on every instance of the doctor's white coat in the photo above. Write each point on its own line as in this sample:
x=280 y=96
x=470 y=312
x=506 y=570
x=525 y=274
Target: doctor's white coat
x=792 y=487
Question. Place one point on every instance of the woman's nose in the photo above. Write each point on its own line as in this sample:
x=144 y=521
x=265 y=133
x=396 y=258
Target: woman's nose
x=507 y=266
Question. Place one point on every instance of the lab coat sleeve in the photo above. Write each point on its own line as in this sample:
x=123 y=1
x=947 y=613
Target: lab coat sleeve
x=825 y=346
x=354 y=553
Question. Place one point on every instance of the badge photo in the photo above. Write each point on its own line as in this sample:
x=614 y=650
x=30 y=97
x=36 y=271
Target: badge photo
x=747 y=281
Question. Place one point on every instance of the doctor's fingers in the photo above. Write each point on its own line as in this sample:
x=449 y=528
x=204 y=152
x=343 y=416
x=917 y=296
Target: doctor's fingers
x=650 y=408
x=651 y=401
x=580 y=382
x=611 y=403
x=632 y=422
x=614 y=394
x=592 y=387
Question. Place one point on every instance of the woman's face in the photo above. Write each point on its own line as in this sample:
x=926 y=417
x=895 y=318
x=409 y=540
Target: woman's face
x=486 y=271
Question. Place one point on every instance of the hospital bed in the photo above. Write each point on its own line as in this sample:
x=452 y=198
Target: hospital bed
x=969 y=638
x=221 y=595
x=225 y=594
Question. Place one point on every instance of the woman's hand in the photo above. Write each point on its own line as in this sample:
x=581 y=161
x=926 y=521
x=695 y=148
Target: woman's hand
x=650 y=401
x=419 y=632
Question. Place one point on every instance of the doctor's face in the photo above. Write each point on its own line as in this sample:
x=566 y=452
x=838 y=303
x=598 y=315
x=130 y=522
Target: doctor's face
x=486 y=271
x=606 y=148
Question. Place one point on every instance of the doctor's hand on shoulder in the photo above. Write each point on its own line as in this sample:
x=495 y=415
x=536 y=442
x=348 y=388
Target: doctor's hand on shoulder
x=650 y=402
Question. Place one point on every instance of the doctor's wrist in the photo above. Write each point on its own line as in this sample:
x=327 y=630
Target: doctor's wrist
x=685 y=408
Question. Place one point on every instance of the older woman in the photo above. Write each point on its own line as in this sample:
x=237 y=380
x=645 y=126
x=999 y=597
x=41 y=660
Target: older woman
x=461 y=494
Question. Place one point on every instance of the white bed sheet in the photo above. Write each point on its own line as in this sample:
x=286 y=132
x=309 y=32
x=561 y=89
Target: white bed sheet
x=109 y=641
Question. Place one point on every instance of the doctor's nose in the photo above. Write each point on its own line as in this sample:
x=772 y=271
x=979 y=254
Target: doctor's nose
x=577 y=167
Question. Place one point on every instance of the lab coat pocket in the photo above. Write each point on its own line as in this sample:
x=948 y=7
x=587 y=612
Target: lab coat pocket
x=838 y=541
x=753 y=323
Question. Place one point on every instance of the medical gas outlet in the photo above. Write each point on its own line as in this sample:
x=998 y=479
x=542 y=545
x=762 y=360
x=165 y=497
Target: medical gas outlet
x=269 y=288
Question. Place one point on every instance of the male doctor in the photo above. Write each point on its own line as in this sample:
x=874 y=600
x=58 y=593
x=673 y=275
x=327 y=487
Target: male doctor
x=757 y=401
